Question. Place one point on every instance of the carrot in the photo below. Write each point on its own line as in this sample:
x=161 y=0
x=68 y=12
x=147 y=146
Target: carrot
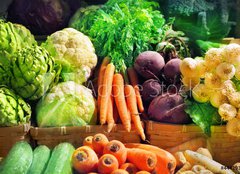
x=88 y=141
x=106 y=92
x=143 y=172
x=110 y=119
x=117 y=149
x=99 y=142
x=101 y=72
x=192 y=144
x=118 y=94
x=119 y=171
x=166 y=162
x=84 y=160
x=107 y=164
x=129 y=167
x=142 y=159
x=134 y=82
x=132 y=106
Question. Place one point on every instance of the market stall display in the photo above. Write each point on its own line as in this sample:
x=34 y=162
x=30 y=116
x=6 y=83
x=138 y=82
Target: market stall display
x=123 y=82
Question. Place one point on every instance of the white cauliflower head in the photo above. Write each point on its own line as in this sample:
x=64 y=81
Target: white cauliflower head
x=75 y=52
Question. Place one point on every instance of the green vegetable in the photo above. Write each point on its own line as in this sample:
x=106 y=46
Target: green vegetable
x=32 y=72
x=237 y=83
x=41 y=156
x=18 y=160
x=122 y=29
x=204 y=46
x=67 y=104
x=203 y=115
x=75 y=52
x=60 y=161
x=13 y=109
x=13 y=37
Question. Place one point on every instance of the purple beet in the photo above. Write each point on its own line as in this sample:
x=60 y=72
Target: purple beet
x=150 y=90
x=172 y=68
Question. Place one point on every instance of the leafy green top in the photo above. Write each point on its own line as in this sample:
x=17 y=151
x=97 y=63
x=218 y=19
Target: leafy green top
x=122 y=29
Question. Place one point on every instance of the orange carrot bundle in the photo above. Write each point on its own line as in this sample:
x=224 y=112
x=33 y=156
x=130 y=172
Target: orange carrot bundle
x=132 y=106
x=166 y=162
x=117 y=149
x=134 y=82
x=84 y=160
x=129 y=167
x=99 y=142
x=107 y=164
x=110 y=119
x=118 y=94
x=119 y=171
x=106 y=92
x=101 y=73
x=88 y=141
x=143 y=159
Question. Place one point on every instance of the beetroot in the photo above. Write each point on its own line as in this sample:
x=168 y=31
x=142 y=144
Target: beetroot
x=172 y=69
x=149 y=64
x=150 y=90
x=168 y=108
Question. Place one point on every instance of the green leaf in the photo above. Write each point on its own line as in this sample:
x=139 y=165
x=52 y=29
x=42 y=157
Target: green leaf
x=237 y=83
x=202 y=114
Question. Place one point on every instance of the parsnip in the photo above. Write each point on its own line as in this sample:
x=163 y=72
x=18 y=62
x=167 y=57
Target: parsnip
x=209 y=164
x=180 y=158
x=236 y=168
x=197 y=168
x=205 y=151
x=187 y=166
x=188 y=172
x=205 y=172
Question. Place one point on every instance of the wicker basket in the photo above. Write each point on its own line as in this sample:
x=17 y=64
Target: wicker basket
x=10 y=135
x=225 y=148
x=75 y=135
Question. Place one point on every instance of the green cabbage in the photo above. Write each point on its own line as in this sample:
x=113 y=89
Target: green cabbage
x=13 y=109
x=67 y=104
x=13 y=38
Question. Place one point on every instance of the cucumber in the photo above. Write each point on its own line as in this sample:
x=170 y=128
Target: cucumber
x=18 y=160
x=60 y=160
x=41 y=156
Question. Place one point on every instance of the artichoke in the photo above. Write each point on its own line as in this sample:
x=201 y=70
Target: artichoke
x=32 y=72
x=13 y=109
x=12 y=38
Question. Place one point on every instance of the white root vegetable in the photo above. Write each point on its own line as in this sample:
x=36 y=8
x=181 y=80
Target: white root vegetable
x=186 y=167
x=188 y=172
x=209 y=164
x=204 y=151
x=180 y=158
x=205 y=172
x=236 y=168
x=197 y=168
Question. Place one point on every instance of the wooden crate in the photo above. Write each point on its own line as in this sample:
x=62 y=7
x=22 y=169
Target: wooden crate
x=10 y=135
x=75 y=135
x=224 y=147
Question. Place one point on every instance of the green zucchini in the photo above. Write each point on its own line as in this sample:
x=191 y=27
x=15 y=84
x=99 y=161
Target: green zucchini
x=18 y=160
x=41 y=156
x=60 y=160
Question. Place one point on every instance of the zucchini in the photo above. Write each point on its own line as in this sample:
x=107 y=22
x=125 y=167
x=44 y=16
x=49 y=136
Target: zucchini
x=41 y=156
x=60 y=160
x=18 y=160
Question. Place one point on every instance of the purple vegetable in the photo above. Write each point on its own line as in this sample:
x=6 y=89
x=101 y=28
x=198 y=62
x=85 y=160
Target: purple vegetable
x=168 y=108
x=41 y=17
x=172 y=68
x=150 y=90
x=149 y=64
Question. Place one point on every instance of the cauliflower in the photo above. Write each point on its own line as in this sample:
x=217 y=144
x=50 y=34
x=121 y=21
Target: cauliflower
x=75 y=52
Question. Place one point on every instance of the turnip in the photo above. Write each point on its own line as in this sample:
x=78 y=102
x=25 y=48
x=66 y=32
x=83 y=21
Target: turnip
x=149 y=64
x=168 y=108
x=172 y=69
x=151 y=89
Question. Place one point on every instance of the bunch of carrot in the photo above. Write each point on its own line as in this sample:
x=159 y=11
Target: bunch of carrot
x=116 y=97
x=100 y=155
